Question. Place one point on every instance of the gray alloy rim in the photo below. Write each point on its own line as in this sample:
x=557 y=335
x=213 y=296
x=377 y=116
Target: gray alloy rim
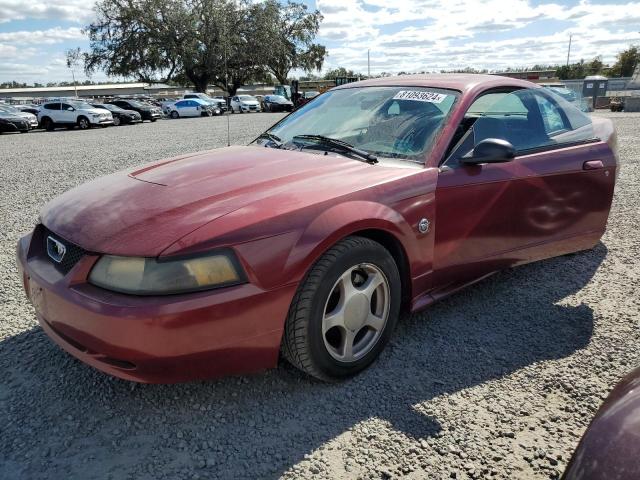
x=356 y=312
x=84 y=123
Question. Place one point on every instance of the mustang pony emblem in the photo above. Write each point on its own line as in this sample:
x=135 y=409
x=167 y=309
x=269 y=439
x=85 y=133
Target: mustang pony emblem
x=55 y=249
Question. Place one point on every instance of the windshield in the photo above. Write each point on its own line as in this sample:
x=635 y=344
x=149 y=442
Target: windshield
x=8 y=109
x=245 y=97
x=395 y=122
x=136 y=103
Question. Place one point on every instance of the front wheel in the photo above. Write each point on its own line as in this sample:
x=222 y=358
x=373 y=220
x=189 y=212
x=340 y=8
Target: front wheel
x=174 y=114
x=116 y=121
x=83 y=123
x=344 y=311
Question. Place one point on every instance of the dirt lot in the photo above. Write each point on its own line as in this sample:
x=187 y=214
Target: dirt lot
x=498 y=381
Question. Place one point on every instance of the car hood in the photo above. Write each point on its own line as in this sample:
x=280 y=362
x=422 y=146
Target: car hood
x=249 y=102
x=95 y=111
x=12 y=118
x=142 y=212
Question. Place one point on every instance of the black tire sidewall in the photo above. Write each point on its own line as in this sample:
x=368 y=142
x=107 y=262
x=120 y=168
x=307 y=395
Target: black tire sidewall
x=369 y=253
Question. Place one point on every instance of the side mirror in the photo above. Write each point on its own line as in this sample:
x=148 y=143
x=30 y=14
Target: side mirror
x=70 y=109
x=490 y=150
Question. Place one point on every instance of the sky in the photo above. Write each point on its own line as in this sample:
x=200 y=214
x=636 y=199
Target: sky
x=401 y=35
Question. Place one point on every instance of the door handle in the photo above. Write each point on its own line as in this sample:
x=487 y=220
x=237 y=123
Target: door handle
x=592 y=165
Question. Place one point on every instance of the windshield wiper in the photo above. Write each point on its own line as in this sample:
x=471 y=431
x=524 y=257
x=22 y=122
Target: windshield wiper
x=276 y=140
x=340 y=145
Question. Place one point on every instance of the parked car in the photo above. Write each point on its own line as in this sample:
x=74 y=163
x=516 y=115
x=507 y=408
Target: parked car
x=146 y=111
x=306 y=97
x=13 y=123
x=219 y=103
x=120 y=116
x=244 y=103
x=193 y=107
x=610 y=447
x=29 y=108
x=29 y=117
x=277 y=103
x=384 y=194
x=570 y=96
x=72 y=113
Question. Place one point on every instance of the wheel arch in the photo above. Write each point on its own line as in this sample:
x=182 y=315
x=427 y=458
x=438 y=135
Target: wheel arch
x=393 y=245
x=368 y=219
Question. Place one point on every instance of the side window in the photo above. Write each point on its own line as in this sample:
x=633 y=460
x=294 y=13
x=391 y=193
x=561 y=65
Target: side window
x=65 y=106
x=552 y=117
x=52 y=106
x=528 y=119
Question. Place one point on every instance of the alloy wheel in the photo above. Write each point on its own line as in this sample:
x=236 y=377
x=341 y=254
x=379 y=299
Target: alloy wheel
x=356 y=312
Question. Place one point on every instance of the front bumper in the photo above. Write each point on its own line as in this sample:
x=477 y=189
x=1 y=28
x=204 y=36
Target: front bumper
x=161 y=339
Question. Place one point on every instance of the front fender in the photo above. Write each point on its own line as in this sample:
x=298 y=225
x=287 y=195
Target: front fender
x=343 y=220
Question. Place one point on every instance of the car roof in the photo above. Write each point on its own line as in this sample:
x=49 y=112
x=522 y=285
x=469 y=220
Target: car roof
x=462 y=82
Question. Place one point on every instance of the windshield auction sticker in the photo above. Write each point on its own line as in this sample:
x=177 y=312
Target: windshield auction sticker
x=420 y=96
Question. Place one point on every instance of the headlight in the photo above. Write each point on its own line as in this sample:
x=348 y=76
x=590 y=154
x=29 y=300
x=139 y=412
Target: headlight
x=151 y=276
x=96 y=115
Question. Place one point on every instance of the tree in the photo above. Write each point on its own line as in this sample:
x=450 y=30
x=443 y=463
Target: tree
x=595 y=66
x=292 y=31
x=202 y=42
x=74 y=59
x=626 y=62
x=339 y=72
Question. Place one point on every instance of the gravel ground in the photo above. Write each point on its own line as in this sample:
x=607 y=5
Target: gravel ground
x=498 y=381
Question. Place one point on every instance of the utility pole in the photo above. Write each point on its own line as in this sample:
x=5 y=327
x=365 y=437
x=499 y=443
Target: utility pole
x=569 y=50
x=368 y=63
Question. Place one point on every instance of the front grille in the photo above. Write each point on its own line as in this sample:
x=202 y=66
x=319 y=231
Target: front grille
x=72 y=255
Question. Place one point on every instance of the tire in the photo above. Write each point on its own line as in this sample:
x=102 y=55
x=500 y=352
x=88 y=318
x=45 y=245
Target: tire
x=83 y=123
x=116 y=121
x=173 y=115
x=47 y=124
x=309 y=344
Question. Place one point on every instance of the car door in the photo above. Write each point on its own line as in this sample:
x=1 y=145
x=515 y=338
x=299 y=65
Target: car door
x=565 y=179
x=540 y=204
x=51 y=110
x=185 y=108
x=474 y=203
x=68 y=113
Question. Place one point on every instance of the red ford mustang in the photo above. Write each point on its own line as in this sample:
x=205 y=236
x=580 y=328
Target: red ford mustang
x=375 y=196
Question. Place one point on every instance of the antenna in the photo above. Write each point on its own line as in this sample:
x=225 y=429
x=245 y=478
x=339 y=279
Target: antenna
x=226 y=80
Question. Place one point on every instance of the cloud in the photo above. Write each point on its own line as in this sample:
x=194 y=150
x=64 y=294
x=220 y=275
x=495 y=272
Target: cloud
x=71 y=10
x=40 y=37
x=425 y=35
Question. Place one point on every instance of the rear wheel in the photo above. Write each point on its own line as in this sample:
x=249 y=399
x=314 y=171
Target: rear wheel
x=47 y=124
x=344 y=311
